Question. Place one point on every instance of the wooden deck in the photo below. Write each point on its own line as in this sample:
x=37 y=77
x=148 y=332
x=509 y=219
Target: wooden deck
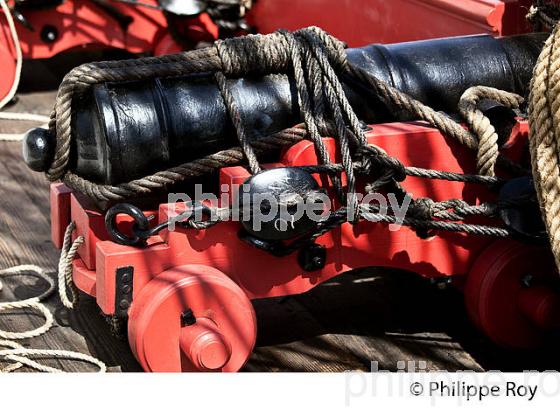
x=344 y=324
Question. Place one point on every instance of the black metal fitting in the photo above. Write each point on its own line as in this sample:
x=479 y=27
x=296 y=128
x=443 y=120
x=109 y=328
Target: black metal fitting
x=141 y=229
x=123 y=291
x=187 y=318
x=49 y=34
x=141 y=224
x=38 y=149
x=519 y=209
x=282 y=192
x=312 y=258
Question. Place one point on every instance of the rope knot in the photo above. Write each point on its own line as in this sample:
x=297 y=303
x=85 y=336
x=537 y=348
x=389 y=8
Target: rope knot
x=422 y=208
x=336 y=49
x=259 y=54
x=370 y=155
x=543 y=13
x=365 y=164
x=253 y=54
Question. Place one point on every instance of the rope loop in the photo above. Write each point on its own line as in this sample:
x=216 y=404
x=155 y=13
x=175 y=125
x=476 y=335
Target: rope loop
x=65 y=282
x=488 y=150
x=30 y=303
x=20 y=356
x=255 y=54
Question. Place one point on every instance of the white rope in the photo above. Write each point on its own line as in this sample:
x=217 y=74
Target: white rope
x=32 y=303
x=16 y=137
x=24 y=116
x=15 y=353
x=21 y=116
x=16 y=116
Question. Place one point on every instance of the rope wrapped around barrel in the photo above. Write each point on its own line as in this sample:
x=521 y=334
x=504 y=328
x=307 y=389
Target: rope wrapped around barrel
x=543 y=14
x=317 y=61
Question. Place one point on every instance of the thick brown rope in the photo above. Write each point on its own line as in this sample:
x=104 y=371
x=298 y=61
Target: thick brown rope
x=396 y=98
x=311 y=51
x=488 y=150
x=442 y=122
x=180 y=173
x=85 y=76
x=544 y=121
x=249 y=55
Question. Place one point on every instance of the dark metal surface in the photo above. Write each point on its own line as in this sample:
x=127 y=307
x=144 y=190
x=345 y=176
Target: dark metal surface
x=313 y=257
x=502 y=118
x=38 y=151
x=273 y=198
x=519 y=209
x=128 y=130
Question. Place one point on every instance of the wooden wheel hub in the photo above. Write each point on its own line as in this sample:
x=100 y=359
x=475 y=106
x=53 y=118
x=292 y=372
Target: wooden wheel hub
x=191 y=318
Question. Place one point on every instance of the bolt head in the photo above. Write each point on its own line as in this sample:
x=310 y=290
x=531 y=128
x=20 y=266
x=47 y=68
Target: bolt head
x=124 y=304
x=527 y=280
x=187 y=318
x=318 y=262
x=312 y=257
x=49 y=34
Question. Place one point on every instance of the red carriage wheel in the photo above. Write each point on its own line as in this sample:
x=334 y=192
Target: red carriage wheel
x=192 y=318
x=510 y=294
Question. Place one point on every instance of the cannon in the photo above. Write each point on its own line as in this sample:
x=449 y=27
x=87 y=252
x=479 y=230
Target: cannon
x=166 y=122
x=185 y=293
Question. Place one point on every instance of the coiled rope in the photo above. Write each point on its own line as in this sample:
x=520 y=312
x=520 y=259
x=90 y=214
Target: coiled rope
x=19 y=355
x=544 y=121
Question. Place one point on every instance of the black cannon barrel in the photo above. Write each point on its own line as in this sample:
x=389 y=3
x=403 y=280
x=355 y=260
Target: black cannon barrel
x=123 y=131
